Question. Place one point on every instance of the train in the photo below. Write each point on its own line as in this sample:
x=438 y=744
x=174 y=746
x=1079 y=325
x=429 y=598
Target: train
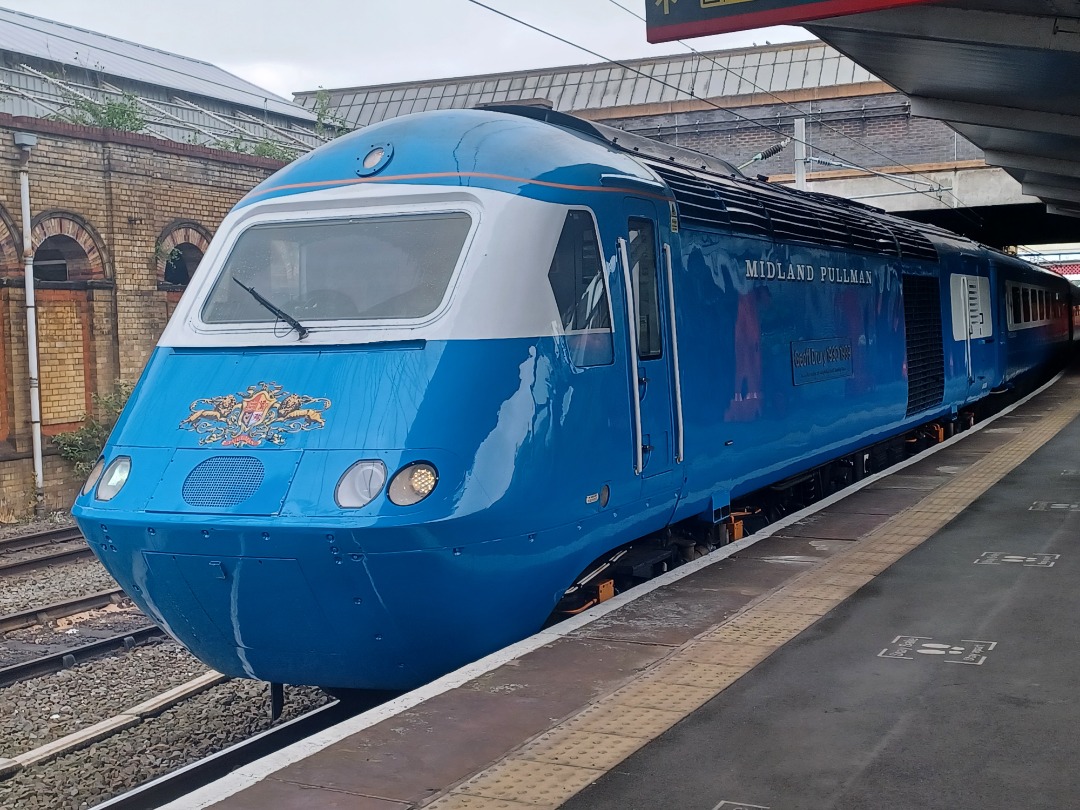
x=439 y=376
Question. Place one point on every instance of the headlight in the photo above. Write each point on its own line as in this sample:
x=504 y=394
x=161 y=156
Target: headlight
x=92 y=479
x=413 y=483
x=114 y=477
x=360 y=484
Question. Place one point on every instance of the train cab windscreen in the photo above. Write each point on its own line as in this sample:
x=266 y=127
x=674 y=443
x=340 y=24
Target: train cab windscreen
x=372 y=268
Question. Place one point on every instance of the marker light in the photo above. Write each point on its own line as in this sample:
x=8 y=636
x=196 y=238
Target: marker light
x=360 y=484
x=95 y=474
x=114 y=478
x=413 y=483
x=374 y=157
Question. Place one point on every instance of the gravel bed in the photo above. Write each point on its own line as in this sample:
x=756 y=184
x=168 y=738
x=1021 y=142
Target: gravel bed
x=70 y=631
x=188 y=732
x=50 y=585
x=41 y=710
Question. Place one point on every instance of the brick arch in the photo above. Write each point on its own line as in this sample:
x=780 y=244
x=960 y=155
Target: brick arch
x=184 y=236
x=10 y=246
x=59 y=223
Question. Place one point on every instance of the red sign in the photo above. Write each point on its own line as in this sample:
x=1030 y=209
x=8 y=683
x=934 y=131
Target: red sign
x=667 y=20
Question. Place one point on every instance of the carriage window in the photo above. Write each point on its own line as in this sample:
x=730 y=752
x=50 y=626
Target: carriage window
x=1017 y=312
x=642 y=255
x=1027 y=305
x=349 y=269
x=576 y=276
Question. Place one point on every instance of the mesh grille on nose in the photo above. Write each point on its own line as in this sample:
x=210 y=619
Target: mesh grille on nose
x=223 y=481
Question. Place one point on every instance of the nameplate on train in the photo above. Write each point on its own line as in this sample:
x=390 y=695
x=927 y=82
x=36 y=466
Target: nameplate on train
x=819 y=360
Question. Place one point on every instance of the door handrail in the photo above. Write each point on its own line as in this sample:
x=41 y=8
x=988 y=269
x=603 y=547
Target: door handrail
x=639 y=464
x=674 y=355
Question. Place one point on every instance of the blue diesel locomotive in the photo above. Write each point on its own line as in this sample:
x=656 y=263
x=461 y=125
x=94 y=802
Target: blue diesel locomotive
x=428 y=374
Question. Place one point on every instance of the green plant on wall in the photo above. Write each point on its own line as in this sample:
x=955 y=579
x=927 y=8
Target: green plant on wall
x=83 y=446
x=269 y=149
x=263 y=148
x=122 y=114
x=161 y=254
x=327 y=122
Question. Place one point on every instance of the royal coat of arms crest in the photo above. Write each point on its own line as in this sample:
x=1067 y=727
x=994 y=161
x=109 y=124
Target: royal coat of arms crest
x=263 y=413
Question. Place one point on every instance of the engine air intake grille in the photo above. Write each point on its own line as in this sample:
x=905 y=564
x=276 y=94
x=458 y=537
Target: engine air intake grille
x=925 y=353
x=785 y=215
x=223 y=481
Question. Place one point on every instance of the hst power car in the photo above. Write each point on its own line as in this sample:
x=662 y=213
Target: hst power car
x=426 y=375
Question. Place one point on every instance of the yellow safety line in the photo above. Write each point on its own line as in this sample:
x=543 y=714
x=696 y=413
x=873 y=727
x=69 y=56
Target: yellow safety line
x=548 y=770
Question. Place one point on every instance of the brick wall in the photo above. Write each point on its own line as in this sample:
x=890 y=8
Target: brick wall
x=119 y=196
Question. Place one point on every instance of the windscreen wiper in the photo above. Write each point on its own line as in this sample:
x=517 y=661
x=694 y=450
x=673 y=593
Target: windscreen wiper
x=285 y=316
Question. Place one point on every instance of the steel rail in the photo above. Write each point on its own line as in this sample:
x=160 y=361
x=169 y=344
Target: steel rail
x=46 y=665
x=48 y=613
x=44 y=561
x=64 y=534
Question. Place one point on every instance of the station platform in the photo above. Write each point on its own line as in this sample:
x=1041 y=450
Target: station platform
x=912 y=644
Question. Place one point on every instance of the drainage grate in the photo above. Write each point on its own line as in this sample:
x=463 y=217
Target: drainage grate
x=223 y=481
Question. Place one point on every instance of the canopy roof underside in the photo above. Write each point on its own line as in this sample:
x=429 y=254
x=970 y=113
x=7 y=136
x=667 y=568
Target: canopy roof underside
x=1003 y=73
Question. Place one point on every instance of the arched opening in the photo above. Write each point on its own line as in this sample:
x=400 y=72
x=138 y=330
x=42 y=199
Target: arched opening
x=66 y=250
x=60 y=258
x=181 y=263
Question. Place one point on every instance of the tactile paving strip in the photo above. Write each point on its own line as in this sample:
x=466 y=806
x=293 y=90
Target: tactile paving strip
x=463 y=801
x=664 y=696
x=530 y=782
x=554 y=766
x=728 y=654
x=694 y=673
x=802 y=604
x=583 y=749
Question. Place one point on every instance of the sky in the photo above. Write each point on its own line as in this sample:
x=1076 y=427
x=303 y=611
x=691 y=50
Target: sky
x=287 y=47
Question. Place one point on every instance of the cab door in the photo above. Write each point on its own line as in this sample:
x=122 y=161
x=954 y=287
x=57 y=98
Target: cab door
x=646 y=259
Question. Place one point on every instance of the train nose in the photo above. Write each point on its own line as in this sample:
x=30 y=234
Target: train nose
x=259 y=617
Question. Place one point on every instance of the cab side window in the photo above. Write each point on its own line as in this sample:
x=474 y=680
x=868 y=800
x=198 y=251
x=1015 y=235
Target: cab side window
x=577 y=280
x=642 y=255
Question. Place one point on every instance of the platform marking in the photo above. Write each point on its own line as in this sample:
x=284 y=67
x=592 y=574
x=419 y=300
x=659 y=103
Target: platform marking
x=1071 y=473
x=967 y=651
x=1028 y=561
x=726 y=805
x=1047 y=506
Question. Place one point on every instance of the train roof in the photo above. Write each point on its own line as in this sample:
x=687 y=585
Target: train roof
x=483 y=148
x=536 y=151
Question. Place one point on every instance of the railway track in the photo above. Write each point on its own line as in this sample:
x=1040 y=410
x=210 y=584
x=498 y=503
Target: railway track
x=65 y=658
x=60 y=610
x=34 y=551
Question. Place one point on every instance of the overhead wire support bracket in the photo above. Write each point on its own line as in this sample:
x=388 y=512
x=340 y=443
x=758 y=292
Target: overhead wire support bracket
x=765 y=154
x=931 y=187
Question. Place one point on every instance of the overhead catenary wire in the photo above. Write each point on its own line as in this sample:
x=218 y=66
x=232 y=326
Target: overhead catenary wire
x=809 y=113
x=694 y=96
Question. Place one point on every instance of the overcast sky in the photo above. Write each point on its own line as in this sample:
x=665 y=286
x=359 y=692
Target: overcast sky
x=301 y=45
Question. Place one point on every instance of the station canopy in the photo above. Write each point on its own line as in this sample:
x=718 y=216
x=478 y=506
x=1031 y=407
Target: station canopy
x=1002 y=73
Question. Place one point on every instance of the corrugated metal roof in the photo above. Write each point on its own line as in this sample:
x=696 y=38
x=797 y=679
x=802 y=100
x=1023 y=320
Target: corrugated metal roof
x=65 y=44
x=714 y=74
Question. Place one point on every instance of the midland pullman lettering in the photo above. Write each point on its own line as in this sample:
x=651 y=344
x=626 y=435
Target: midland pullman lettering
x=776 y=271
